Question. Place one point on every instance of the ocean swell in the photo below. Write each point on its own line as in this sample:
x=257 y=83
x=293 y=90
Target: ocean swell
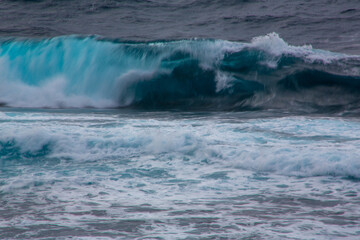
x=267 y=73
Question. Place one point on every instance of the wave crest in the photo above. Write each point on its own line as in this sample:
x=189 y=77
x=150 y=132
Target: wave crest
x=73 y=71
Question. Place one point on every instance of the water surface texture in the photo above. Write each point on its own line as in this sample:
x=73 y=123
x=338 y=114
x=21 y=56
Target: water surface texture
x=326 y=24
x=179 y=119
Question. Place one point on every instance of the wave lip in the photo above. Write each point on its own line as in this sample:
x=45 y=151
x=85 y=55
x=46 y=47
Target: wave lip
x=72 y=71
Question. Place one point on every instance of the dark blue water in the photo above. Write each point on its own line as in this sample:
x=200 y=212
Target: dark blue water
x=179 y=119
x=326 y=24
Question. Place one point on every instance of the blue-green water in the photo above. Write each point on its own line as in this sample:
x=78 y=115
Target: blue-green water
x=177 y=175
x=192 y=75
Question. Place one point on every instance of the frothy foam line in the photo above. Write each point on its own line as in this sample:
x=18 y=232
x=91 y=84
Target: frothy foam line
x=259 y=147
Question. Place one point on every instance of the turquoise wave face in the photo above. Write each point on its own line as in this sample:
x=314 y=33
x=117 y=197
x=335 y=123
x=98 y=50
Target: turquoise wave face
x=75 y=71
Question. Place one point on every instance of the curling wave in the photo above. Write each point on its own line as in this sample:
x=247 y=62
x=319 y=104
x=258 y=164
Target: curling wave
x=267 y=73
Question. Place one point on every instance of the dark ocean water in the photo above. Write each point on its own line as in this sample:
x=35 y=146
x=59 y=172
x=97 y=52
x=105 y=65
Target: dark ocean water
x=179 y=119
x=326 y=24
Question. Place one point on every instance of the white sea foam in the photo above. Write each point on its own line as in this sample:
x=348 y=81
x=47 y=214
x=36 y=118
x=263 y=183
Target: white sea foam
x=302 y=148
x=51 y=94
x=276 y=46
x=106 y=172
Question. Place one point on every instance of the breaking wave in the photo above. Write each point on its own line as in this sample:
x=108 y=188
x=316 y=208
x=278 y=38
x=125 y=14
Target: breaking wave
x=196 y=74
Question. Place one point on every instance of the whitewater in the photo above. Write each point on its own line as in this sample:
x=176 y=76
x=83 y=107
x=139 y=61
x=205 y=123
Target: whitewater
x=166 y=175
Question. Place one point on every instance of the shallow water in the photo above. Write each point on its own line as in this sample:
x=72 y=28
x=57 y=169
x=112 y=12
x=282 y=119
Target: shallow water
x=177 y=175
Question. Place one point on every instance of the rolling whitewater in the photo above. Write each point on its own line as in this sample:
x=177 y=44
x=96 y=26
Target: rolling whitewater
x=239 y=123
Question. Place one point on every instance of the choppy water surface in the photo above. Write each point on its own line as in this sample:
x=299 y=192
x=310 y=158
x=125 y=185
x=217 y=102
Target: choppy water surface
x=327 y=24
x=163 y=175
